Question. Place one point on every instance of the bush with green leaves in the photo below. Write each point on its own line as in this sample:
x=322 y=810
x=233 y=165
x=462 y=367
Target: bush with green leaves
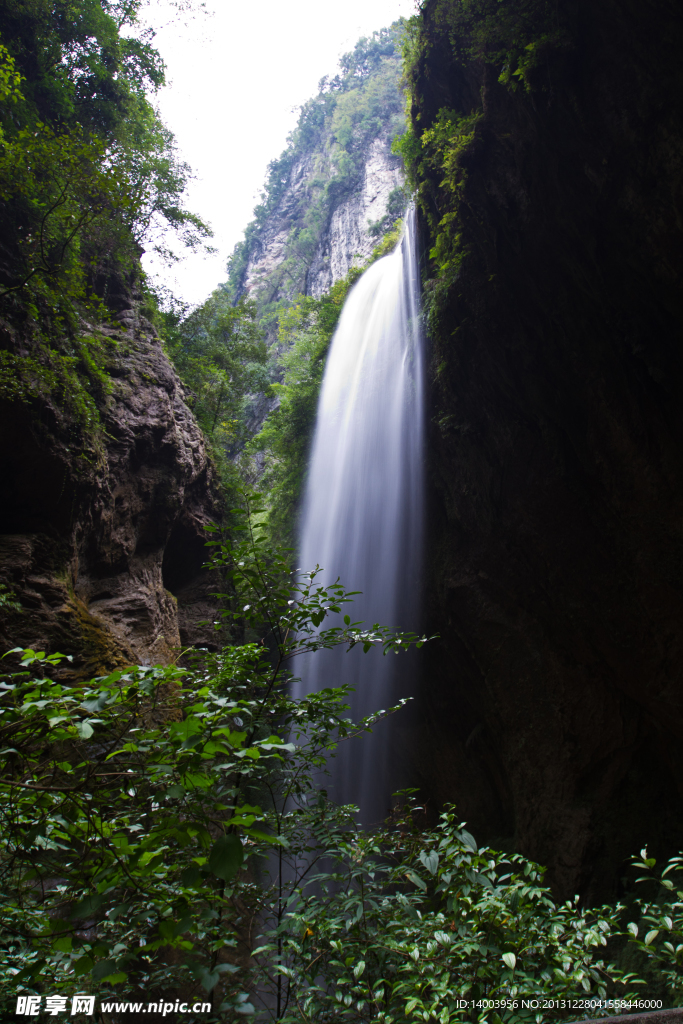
x=137 y=808
x=219 y=352
x=658 y=933
x=167 y=830
x=423 y=925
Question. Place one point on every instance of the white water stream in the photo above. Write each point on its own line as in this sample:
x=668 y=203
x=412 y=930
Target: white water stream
x=362 y=513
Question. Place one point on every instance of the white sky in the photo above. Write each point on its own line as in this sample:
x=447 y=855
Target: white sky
x=236 y=80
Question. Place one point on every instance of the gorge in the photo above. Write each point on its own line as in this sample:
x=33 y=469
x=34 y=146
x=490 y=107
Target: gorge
x=502 y=470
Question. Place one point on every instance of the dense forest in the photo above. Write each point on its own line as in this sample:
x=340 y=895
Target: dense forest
x=168 y=848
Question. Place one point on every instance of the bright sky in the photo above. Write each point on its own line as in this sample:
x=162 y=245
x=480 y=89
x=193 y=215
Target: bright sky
x=236 y=80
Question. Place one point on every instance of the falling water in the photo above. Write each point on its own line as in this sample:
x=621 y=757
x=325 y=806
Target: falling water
x=362 y=514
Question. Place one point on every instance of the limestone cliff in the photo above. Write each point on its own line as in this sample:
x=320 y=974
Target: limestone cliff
x=335 y=188
x=101 y=542
x=345 y=240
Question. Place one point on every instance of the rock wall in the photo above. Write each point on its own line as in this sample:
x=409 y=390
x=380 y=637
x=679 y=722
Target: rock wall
x=347 y=239
x=553 y=703
x=103 y=544
x=346 y=236
x=271 y=248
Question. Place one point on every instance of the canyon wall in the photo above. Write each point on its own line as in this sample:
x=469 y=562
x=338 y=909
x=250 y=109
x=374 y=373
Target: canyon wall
x=346 y=237
x=101 y=534
x=335 y=190
x=552 y=709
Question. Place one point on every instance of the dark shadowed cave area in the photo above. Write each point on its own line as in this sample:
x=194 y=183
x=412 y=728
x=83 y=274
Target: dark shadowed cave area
x=552 y=709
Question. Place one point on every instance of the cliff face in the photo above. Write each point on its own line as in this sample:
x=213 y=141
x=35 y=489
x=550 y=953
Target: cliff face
x=103 y=544
x=552 y=710
x=346 y=238
x=336 y=188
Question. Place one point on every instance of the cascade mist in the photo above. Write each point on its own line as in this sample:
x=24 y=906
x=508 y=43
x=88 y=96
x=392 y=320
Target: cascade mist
x=362 y=512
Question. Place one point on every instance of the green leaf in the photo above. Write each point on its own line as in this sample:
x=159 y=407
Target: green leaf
x=226 y=857
x=82 y=965
x=105 y=969
x=430 y=860
x=416 y=880
x=86 y=907
x=209 y=979
x=510 y=960
x=651 y=936
x=470 y=841
x=191 y=877
x=175 y=792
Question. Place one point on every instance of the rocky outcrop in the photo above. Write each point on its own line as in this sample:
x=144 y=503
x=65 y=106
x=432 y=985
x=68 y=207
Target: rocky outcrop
x=553 y=702
x=271 y=249
x=102 y=543
x=346 y=238
x=331 y=194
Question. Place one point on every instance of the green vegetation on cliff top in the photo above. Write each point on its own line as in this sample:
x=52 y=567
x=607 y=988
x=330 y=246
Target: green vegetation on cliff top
x=327 y=152
x=88 y=174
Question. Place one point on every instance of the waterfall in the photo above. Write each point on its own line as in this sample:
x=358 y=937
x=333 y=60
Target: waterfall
x=362 y=511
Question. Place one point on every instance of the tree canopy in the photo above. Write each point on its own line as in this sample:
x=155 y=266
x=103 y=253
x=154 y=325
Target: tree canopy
x=88 y=172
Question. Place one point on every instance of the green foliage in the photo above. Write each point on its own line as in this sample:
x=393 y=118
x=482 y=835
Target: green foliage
x=8 y=601
x=73 y=378
x=219 y=352
x=396 y=207
x=87 y=170
x=410 y=922
x=437 y=155
x=512 y=35
x=165 y=829
x=88 y=174
x=658 y=934
x=135 y=807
